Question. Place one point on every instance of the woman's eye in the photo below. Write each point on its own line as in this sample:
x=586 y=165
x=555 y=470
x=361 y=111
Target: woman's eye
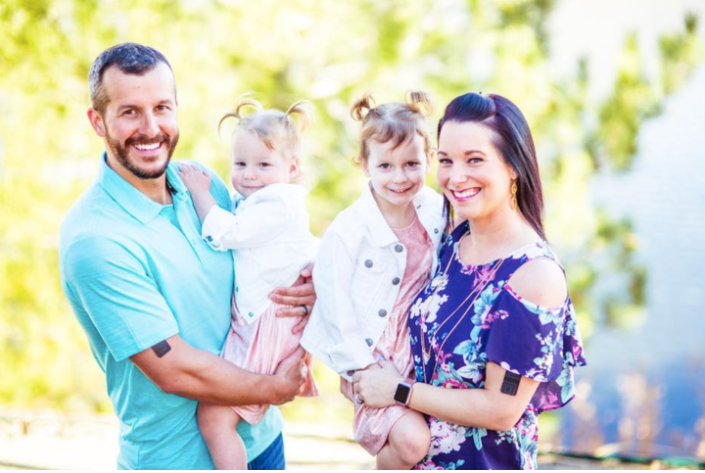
x=474 y=160
x=443 y=161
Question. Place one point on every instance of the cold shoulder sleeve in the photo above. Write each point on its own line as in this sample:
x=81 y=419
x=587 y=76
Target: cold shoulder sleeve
x=540 y=343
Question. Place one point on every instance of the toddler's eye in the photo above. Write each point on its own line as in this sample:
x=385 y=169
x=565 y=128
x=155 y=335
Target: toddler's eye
x=383 y=166
x=239 y=164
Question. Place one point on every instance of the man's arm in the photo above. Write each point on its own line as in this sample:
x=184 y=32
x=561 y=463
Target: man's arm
x=197 y=374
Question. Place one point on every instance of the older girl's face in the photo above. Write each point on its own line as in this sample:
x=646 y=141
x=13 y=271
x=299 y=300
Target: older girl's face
x=471 y=172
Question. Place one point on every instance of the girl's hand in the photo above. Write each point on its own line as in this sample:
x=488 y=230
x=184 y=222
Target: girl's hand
x=195 y=179
x=375 y=385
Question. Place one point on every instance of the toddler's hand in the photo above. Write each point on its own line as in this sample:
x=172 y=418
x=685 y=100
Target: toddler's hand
x=195 y=179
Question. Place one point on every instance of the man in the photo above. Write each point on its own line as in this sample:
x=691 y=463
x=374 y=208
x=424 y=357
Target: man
x=151 y=295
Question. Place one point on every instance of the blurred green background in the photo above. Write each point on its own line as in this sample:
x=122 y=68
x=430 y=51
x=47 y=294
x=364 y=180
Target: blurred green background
x=328 y=52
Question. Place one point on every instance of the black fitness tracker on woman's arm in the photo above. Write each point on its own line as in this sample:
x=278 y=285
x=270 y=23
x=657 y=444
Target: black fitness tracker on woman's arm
x=403 y=393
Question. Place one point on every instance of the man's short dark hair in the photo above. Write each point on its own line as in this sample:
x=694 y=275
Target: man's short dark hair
x=130 y=58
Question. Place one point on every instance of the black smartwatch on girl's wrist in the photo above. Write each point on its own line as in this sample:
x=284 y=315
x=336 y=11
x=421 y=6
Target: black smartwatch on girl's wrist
x=402 y=395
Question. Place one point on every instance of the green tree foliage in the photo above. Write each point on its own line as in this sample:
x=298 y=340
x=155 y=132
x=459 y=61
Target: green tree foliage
x=323 y=50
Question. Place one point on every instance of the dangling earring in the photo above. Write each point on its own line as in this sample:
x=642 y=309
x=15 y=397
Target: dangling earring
x=514 y=195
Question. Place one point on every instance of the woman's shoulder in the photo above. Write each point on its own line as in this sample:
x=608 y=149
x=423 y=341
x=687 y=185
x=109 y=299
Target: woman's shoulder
x=540 y=279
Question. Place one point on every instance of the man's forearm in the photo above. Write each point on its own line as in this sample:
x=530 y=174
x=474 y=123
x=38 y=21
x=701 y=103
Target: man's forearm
x=199 y=375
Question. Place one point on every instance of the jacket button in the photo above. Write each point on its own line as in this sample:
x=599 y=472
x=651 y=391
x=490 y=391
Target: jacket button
x=369 y=263
x=398 y=248
x=351 y=372
x=369 y=342
x=396 y=281
x=382 y=312
x=435 y=230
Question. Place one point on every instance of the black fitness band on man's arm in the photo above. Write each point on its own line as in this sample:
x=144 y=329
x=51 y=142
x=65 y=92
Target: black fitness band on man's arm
x=161 y=348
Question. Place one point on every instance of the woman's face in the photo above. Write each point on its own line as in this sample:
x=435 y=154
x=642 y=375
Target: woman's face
x=471 y=171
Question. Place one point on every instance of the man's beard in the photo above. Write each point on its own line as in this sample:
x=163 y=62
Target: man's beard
x=121 y=153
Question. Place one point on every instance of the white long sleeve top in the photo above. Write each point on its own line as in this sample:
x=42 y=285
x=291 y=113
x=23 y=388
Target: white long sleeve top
x=357 y=276
x=271 y=242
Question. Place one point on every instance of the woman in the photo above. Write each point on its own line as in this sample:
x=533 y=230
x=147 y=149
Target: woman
x=496 y=323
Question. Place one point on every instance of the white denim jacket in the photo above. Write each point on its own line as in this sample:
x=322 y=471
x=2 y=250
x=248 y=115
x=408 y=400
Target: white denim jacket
x=357 y=276
x=271 y=242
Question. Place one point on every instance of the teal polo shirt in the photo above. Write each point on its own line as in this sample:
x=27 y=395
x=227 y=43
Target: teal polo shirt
x=137 y=272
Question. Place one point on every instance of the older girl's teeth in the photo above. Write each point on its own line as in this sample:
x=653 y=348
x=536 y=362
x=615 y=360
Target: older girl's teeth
x=150 y=147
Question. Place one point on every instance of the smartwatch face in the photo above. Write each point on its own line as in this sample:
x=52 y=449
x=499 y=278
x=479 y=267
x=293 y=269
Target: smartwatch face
x=402 y=394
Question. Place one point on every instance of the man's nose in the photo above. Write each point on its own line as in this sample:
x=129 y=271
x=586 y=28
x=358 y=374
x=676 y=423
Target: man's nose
x=149 y=125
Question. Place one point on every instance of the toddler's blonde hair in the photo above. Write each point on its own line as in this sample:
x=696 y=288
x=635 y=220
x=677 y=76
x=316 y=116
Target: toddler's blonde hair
x=396 y=122
x=277 y=130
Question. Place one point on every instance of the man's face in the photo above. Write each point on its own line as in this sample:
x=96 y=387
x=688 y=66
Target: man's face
x=139 y=123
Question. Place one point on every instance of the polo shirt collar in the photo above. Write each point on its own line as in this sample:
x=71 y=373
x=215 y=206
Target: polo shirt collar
x=129 y=198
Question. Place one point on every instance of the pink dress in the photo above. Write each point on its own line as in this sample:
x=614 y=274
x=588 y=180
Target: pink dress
x=260 y=347
x=371 y=426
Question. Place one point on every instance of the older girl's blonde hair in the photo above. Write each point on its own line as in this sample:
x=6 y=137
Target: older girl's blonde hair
x=277 y=130
x=396 y=122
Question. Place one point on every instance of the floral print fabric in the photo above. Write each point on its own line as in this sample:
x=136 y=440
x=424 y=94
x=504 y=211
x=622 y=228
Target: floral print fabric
x=459 y=337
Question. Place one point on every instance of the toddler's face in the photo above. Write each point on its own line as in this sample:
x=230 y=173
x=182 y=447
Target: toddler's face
x=397 y=175
x=255 y=166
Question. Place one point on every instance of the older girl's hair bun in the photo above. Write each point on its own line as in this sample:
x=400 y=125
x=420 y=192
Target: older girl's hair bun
x=244 y=101
x=362 y=106
x=302 y=108
x=420 y=102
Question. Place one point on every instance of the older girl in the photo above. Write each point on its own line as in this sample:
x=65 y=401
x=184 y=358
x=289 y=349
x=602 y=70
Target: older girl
x=496 y=324
x=375 y=257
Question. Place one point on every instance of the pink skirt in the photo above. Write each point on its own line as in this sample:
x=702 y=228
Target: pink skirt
x=371 y=426
x=260 y=347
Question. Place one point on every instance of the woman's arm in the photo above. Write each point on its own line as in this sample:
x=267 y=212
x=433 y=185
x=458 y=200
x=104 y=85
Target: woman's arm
x=486 y=407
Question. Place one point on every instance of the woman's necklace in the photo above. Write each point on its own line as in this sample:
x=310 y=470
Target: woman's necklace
x=474 y=294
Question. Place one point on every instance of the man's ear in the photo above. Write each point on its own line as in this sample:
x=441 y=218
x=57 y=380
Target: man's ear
x=96 y=122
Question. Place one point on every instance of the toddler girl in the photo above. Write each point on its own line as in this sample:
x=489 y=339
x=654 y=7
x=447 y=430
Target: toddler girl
x=373 y=260
x=271 y=242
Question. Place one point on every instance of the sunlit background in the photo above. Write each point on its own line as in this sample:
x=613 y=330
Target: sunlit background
x=614 y=92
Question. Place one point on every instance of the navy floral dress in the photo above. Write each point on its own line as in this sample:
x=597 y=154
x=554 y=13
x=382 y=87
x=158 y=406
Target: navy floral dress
x=452 y=340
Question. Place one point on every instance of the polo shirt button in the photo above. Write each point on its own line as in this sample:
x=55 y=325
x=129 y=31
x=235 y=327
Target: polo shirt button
x=351 y=372
x=435 y=230
x=369 y=263
x=382 y=312
x=396 y=281
x=398 y=248
x=209 y=238
x=237 y=289
x=369 y=342
x=250 y=314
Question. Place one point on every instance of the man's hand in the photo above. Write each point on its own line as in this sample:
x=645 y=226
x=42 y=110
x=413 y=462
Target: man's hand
x=300 y=297
x=290 y=376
